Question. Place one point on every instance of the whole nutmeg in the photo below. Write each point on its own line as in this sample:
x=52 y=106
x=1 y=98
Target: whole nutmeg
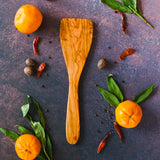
x=30 y=62
x=29 y=71
x=101 y=63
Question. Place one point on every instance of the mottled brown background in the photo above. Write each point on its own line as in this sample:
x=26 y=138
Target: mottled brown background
x=138 y=71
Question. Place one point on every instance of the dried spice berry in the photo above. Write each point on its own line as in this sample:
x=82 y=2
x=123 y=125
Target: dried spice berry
x=30 y=62
x=43 y=86
x=29 y=71
x=101 y=63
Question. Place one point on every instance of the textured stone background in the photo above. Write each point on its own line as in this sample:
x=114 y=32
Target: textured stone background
x=138 y=71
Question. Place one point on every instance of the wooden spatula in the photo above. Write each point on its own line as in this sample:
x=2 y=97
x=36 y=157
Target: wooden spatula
x=76 y=38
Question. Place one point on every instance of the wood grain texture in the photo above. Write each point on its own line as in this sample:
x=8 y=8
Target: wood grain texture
x=76 y=38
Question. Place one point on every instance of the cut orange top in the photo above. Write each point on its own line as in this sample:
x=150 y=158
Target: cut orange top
x=27 y=147
x=128 y=114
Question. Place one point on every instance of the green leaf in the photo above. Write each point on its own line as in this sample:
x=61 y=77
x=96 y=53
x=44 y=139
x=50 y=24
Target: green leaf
x=128 y=6
x=38 y=128
x=24 y=130
x=39 y=112
x=132 y=3
x=113 y=87
x=40 y=134
x=49 y=146
x=41 y=156
x=116 y=5
x=144 y=94
x=109 y=97
x=139 y=14
x=25 y=109
x=10 y=134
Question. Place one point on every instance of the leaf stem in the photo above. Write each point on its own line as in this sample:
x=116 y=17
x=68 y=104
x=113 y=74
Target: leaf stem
x=140 y=16
x=46 y=153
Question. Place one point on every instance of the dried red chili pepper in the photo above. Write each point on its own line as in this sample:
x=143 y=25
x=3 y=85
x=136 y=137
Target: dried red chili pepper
x=117 y=128
x=35 y=43
x=126 y=53
x=124 y=26
x=40 y=69
x=103 y=142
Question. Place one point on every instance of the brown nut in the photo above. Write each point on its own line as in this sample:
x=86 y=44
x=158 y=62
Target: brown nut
x=29 y=71
x=101 y=63
x=30 y=62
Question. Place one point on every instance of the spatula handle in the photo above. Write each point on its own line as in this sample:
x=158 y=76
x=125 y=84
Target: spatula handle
x=73 y=119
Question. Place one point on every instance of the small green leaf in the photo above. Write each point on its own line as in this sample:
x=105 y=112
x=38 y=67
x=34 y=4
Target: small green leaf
x=25 y=109
x=132 y=3
x=116 y=5
x=144 y=94
x=39 y=112
x=49 y=146
x=113 y=87
x=24 y=130
x=109 y=97
x=10 y=134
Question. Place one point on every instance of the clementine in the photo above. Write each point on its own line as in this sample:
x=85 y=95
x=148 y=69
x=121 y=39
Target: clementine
x=128 y=114
x=27 y=147
x=28 y=18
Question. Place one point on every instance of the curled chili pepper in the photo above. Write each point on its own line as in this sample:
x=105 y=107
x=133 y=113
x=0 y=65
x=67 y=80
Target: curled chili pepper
x=103 y=142
x=124 y=26
x=117 y=128
x=35 y=43
x=126 y=53
x=40 y=69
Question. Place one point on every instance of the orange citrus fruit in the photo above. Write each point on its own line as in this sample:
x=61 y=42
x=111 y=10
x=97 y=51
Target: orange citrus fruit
x=28 y=18
x=128 y=114
x=27 y=147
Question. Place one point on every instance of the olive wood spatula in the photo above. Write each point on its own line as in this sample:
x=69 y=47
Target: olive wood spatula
x=76 y=39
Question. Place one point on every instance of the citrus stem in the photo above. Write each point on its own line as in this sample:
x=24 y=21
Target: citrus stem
x=140 y=16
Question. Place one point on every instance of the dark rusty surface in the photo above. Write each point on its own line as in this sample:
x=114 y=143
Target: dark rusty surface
x=138 y=71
